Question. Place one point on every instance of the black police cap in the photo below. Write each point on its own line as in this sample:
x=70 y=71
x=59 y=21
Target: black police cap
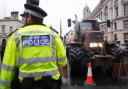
x=34 y=2
x=34 y=11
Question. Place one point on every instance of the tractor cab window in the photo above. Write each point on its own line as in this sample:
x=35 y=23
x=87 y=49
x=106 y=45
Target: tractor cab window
x=86 y=26
x=89 y=25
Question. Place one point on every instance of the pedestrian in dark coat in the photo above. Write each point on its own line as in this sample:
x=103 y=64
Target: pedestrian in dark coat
x=3 y=48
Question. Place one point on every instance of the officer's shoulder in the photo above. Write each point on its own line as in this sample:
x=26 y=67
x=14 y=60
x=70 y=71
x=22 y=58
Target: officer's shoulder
x=54 y=30
x=12 y=32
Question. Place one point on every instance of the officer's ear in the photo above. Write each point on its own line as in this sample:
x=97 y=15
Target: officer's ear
x=28 y=19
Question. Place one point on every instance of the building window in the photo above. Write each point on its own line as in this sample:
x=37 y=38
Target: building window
x=106 y=12
x=126 y=9
x=116 y=7
x=11 y=28
x=3 y=28
x=116 y=11
x=106 y=38
x=101 y=14
x=125 y=36
x=115 y=37
x=115 y=25
x=125 y=24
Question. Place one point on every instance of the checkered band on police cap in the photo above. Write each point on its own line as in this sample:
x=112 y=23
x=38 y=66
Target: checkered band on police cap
x=34 y=13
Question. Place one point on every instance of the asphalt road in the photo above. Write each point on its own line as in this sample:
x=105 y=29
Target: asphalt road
x=100 y=84
x=102 y=81
x=95 y=87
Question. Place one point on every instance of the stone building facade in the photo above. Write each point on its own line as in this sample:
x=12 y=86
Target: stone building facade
x=86 y=12
x=9 y=24
x=117 y=12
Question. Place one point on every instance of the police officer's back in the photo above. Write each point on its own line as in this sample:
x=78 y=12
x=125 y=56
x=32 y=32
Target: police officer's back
x=36 y=50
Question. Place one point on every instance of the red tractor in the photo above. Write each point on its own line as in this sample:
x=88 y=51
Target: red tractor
x=84 y=44
x=86 y=36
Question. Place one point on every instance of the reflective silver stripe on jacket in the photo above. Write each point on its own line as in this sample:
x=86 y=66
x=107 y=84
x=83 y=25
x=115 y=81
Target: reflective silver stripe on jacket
x=36 y=60
x=17 y=40
x=17 y=36
x=35 y=32
x=61 y=59
x=5 y=83
x=53 y=44
x=8 y=68
x=38 y=74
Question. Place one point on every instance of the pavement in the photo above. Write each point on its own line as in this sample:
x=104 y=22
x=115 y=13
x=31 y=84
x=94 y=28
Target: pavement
x=96 y=87
x=101 y=80
x=101 y=84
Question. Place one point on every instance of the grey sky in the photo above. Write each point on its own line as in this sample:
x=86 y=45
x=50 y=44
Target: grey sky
x=56 y=9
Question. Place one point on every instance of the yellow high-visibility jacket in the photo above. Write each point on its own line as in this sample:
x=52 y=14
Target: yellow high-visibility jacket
x=36 y=50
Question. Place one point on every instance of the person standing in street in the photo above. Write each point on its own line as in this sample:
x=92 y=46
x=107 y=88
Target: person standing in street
x=36 y=50
x=3 y=48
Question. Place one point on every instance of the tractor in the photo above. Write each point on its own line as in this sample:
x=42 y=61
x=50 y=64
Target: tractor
x=85 y=44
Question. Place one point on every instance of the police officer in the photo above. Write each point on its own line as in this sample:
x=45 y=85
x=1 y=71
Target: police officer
x=36 y=50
